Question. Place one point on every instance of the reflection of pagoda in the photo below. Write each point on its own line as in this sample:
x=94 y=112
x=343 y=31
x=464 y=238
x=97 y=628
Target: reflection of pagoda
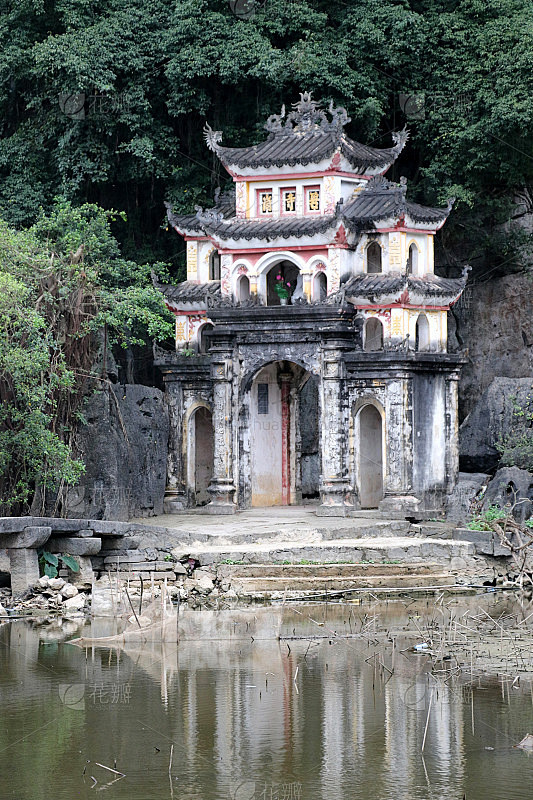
x=311 y=332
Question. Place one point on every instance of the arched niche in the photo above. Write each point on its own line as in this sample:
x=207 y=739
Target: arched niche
x=243 y=288
x=422 y=342
x=320 y=286
x=203 y=337
x=373 y=335
x=373 y=259
x=412 y=260
x=214 y=266
x=289 y=273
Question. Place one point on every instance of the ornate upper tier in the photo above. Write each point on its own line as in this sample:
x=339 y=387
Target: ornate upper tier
x=304 y=137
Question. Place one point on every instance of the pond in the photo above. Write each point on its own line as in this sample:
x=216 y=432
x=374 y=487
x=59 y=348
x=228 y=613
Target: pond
x=343 y=708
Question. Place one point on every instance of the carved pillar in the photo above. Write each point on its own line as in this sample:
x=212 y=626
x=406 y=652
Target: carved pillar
x=253 y=284
x=175 y=492
x=222 y=487
x=335 y=488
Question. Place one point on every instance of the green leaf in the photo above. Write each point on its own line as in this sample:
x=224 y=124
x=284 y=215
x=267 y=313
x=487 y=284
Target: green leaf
x=70 y=562
x=50 y=558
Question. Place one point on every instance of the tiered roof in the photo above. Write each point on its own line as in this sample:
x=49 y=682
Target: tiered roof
x=306 y=136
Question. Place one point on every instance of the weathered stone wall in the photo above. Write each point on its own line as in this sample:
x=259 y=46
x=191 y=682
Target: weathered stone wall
x=490 y=420
x=124 y=447
x=495 y=324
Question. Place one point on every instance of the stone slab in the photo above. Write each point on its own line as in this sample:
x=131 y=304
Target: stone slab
x=156 y=566
x=30 y=537
x=486 y=543
x=74 y=546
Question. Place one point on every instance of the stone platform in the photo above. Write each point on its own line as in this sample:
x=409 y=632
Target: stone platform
x=261 y=552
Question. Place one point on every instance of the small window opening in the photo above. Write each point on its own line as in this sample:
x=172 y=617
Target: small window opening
x=373 y=258
x=262 y=398
x=214 y=266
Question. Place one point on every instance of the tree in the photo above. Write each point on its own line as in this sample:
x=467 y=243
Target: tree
x=61 y=281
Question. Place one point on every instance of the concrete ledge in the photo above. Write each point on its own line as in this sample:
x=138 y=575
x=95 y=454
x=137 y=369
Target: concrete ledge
x=486 y=543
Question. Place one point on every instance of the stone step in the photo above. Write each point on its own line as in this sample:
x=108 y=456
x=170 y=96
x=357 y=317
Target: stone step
x=314 y=584
x=399 y=549
x=275 y=531
x=323 y=571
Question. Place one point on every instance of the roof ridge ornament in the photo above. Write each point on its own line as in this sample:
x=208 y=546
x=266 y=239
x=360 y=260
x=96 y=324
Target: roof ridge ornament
x=400 y=140
x=211 y=216
x=308 y=116
x=212 y=138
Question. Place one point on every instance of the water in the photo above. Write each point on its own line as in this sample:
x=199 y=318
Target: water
x=299 y=719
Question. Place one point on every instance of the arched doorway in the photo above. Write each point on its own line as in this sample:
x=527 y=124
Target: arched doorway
x=282 y=461
x=203 y=454
x=370 y=467
x=289 y=275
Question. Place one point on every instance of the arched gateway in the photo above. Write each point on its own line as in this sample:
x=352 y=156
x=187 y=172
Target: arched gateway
x=281 y=423
x=326 y=370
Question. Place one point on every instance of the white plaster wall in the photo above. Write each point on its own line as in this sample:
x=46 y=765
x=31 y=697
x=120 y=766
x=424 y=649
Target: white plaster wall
x=204 y=251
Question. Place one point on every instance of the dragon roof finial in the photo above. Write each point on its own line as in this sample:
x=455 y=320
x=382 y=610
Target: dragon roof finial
x=212 y=138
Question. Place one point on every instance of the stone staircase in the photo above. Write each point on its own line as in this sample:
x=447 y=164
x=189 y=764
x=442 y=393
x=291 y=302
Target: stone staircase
x=321 y=580
x=312 y=559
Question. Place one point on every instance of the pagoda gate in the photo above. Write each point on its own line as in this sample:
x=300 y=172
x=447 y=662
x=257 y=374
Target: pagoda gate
x=311 y=342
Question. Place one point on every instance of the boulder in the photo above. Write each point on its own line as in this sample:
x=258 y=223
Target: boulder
x=204 y=584
x=468 y=487
x=74 y=603
x=491 y=420
x=56 y=583
x=3 y=611
x=124 y=448
x=68 y=590
x=512 y=488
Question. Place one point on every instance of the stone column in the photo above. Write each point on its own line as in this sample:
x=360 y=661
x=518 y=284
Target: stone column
x=222 y=487
x=335 y=488
x=398 y=497
x=176 y=491
x=23 y=559
x=452 y=431
x=307 y=285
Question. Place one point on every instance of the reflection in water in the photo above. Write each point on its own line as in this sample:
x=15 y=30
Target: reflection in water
x=338 y=719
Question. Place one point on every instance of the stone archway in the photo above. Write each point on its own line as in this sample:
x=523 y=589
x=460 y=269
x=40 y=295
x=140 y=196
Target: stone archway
x=282 y=434
x=370 y=456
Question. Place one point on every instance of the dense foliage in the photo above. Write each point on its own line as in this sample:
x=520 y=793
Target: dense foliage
x=62 y=282
x=152 y=71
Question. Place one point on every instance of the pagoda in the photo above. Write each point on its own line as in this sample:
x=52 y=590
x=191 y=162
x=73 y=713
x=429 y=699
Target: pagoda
x=311 y=357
